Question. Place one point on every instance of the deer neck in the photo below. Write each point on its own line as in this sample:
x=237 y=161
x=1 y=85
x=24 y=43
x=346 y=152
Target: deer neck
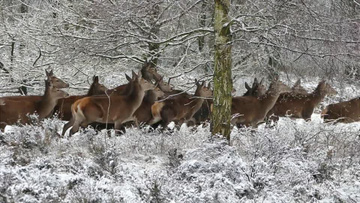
x=93 y=92
x=46 y=105
x=150 y=96
x=269 y=99
x=195 y=103
x=317 y=95
x=136 y=96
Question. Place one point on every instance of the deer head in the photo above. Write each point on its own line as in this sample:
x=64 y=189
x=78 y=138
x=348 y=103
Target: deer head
x=58 y=83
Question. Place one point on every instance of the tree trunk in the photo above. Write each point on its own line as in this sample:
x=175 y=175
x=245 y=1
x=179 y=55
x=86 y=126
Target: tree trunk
x=220 y=123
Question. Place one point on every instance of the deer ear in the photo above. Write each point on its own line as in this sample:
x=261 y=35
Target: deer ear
x=256 y=81
x=48 y=83
x=203 y=83
x=247 y=86
x=297 y=83
x=133 y=74
x=96 y=79
x=197 y=82
x=261 y=81
x=209 y=85
x=139 y=75
x=127 y=77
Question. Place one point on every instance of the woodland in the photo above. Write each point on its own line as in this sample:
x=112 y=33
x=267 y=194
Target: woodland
x=295 y=160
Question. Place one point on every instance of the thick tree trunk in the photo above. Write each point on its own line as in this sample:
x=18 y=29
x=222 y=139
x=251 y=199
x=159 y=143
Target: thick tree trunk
x=220 y=123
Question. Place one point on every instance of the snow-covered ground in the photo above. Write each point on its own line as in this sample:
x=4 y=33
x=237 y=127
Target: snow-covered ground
x=295 y=161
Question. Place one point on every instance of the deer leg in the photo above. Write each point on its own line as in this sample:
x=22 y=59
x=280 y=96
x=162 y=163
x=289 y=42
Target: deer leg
x=76 y=126
x=67 y=126
x=119 y=128
x=307 y=115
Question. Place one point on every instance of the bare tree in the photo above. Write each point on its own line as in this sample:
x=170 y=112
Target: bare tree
x=220 y=123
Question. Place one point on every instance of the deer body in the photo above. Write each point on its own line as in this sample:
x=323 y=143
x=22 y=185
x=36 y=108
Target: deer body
x=181 y=108
x=203 y=114
x=250 y=110
x=345 y=112
x=18 y=110
x=301 y=105
x=116 y=109
x=63 y=108
x=143 y=113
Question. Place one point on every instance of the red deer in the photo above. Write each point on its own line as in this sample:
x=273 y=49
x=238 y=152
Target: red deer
x=298 y=105
x=116 y=109
x=63 y=108
x=250 y=110
x=18 y=110
x=203 y=114
x=169 y=91
x=149 y=72
x=143 y=113
x=344 y=112
x=181 y=108
x=257 y=88
x=55 y=81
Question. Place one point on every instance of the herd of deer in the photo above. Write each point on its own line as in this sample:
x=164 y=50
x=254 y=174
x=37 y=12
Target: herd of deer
x=142 y=101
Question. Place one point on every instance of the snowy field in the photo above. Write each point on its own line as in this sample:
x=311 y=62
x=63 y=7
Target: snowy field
x=296 y=161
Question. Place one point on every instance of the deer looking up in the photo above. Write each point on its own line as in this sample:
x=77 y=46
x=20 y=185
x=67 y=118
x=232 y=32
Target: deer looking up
x=116 y=109
x=18 y=110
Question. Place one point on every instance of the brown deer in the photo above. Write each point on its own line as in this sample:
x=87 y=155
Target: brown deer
x=300 y=106
x=149 y=72
x=18 y=110
x=116 y=109
x=181 y=108
x=143 y=113
x=55 y=81
x=257 y=89
x=203 y=114
x=63 y=108
x=344 y=112
x=250 y=110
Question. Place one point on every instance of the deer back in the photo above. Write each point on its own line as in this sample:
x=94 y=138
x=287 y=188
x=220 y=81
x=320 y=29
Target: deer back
x=301 y=106
x=345 y=112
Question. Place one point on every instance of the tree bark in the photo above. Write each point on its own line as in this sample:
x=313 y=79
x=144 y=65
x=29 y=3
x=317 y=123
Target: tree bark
x=220 y=123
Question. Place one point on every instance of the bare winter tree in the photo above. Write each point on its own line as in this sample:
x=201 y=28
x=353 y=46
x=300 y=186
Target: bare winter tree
x=222 y=73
